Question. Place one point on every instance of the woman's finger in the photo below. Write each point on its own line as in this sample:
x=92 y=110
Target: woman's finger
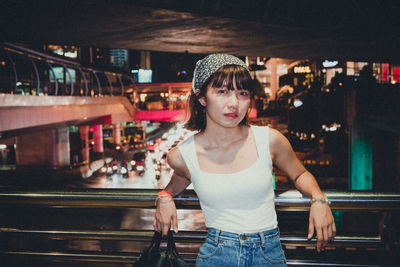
x=320 y=238
x=310 y=229
x=175 y=223
x=165 y=229
x=326 y=237
x=330 y=232
x=333 y=230
x=155 y=226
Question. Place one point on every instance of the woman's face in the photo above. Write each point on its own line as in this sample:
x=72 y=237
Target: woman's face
x=226 y=107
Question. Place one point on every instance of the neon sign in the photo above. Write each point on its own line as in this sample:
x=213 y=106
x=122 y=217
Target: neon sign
x=329 y=64
x=302 y=69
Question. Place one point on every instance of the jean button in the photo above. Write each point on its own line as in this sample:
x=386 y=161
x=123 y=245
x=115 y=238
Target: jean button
x=244 y=237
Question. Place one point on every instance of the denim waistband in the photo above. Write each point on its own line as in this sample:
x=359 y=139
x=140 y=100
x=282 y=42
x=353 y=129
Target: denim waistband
x=216 y=235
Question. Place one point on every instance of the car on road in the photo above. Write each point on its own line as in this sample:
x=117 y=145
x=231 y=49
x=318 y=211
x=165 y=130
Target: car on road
x=138 y=162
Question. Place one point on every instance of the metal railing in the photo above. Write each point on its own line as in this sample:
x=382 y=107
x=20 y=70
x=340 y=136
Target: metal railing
x=144 y=198
x=48 y=62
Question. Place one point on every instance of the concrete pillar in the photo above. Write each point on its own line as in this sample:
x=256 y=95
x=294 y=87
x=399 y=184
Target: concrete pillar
x=44 y=148
x=145 y=60
x=117 y=134
x=361 y=159
x=274 y=77
x=98 y=138
x=170 y=102
x=360 y=148
x=84 y=133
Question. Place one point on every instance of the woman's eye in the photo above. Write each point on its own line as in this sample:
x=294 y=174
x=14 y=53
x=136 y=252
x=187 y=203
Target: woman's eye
x=244 y=93
x=222 y=91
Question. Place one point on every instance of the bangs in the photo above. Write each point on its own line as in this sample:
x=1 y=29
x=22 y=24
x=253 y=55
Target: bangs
x=232 y=77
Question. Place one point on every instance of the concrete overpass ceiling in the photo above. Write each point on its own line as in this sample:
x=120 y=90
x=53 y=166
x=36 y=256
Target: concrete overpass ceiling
x=352 y=29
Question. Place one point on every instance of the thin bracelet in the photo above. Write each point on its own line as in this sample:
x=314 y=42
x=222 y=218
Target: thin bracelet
x=161 y=196
x=165 y=192
x=322 y=200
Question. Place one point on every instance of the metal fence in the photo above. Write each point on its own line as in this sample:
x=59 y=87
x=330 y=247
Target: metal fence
x=373 y=247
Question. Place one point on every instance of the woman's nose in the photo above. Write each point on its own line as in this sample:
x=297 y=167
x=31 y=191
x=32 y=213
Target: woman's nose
x=233 y=99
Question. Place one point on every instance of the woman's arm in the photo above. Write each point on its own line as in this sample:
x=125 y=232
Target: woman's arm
x=166 y=215
x=321 y=218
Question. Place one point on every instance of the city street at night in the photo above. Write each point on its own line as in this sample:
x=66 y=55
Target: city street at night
x=271 y=123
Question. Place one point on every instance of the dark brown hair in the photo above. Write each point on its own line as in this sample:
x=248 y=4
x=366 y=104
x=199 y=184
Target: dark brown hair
x=226 y=76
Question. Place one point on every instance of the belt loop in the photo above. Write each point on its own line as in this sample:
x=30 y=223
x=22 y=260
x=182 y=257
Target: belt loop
x=262 y=239
x=217 y=232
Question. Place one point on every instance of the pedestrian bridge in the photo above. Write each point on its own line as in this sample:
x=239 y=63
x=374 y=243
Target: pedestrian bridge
x=27 y=111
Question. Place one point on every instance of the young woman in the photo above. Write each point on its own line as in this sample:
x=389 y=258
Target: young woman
x=229 y=164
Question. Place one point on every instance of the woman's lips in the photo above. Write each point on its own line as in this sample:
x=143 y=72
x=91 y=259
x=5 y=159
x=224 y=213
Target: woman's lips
x=231 y=115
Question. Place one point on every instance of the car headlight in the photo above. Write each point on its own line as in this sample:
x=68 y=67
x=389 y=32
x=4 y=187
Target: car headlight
x=115 y=168
x=124 y=170
x=133 y=162
x=139 y=168
x=109 y=169
x=103 y=169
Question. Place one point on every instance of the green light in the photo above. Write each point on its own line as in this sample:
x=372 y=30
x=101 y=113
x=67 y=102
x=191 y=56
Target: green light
x=361 y=162
x=273 y=179
x=74 y=129
x=339 y=218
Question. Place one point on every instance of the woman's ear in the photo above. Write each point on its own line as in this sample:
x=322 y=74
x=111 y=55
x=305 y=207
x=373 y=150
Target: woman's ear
x=202 y=101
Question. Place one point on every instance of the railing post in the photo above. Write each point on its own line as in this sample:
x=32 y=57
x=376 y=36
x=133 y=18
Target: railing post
x=122 y=85
x=70 y=77
x=55 y=78
x=37 y=75
x=98 y=81
x=85 y=80
x=109 y=82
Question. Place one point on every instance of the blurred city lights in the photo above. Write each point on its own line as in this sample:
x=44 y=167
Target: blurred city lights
x=297 y=103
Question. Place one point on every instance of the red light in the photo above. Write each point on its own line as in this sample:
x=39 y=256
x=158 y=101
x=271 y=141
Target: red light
x=179 y=73
x=8 y=150
x=3 y=63
x=91 y=130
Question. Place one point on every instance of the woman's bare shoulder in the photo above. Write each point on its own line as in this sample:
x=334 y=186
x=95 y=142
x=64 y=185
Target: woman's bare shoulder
x=177 y=163
x=277 y=141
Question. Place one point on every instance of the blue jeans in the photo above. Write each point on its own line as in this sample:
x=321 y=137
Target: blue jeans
x=241 y=250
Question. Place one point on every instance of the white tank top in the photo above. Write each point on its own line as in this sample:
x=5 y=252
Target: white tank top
x=240 y=202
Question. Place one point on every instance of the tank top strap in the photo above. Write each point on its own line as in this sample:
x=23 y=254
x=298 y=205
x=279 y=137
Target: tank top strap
x=188 y=153
x=261 y=135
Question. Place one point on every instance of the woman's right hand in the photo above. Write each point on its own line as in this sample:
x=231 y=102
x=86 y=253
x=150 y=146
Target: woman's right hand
x=165 y=216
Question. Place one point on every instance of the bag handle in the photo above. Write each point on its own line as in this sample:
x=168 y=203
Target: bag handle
x=171 y=242
x=156 y=241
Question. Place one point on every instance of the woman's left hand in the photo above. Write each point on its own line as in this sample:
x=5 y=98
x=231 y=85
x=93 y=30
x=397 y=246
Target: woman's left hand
x=321 y=219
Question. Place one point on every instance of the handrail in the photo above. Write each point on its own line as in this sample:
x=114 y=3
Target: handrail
x=144 y=198
x=182 y=236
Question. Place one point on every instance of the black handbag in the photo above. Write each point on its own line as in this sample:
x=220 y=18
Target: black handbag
x=153 y=256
